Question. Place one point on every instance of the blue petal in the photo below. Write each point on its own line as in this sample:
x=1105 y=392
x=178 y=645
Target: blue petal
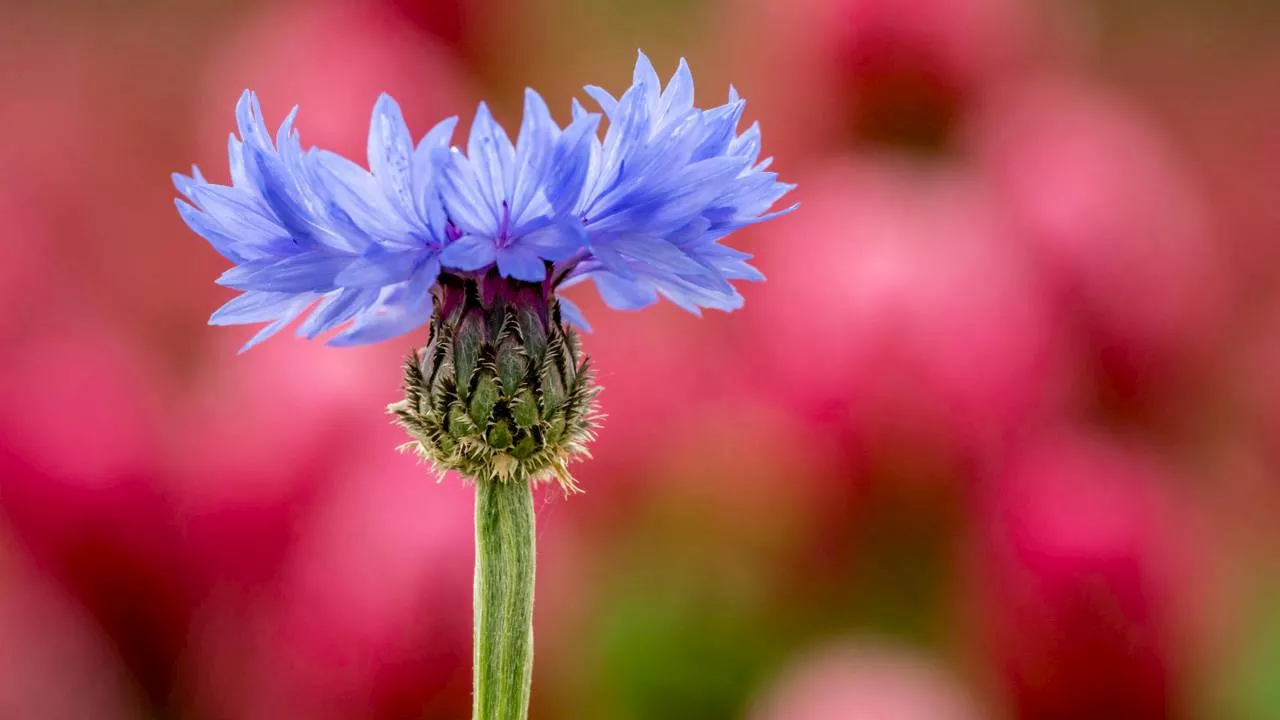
x=300 y=303
x=691 y=297
x=336 y=308
x=469 y=252
x=464 y=196
x=378 y=268
x=747 y=145
x=699 y=184
x=678 y=97
x=569 y=165
x=285 y=136
x=631 y=130
x=572 y=314
x=205 y=228
x=426 y=195
x=722 y=124
x=492 y=157
x=249 y=122
x=269 y=175
x=393 y=322
x=612 y=260
x=184 y=184
x=521 y=263
x=358 y=194
x=607 y=102
x=626 y=137
x=235 y=157
x=305 y=272
x=533 y=151
x=556 y=242
x=236 y=212
x=655 y=253
x=391 y=154
x=621 y=294
x=646 y=78
x=254 y=307
x=398 y=310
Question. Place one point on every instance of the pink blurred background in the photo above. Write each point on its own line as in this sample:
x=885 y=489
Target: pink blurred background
x=999 y=438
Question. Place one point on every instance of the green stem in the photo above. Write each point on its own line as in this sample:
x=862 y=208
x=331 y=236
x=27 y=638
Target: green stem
x=503 y=600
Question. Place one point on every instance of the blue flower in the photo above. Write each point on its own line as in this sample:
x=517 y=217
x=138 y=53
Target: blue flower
x=668 y=182
x=641 y=212
x=511 y=203
x=316 y=231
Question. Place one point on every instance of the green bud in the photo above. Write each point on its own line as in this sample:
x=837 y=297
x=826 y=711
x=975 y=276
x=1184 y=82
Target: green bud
x=500 y=435
x=483 y=398
x=511 y=366
x=502 y=391
x=526 y=447
x=534 y=334
x=460 y=424
x=467 y=344
x=555 y=427
x=524 y=409
x=446 y=443
x=552 y=389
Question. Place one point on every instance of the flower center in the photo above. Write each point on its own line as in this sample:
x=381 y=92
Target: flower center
x=504 y=227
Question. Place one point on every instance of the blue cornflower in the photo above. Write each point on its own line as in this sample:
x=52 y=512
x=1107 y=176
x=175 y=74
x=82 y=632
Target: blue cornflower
x=478 y=243
x=641 y=212
x=511 y=203
x=314 y=230
x=667 y=183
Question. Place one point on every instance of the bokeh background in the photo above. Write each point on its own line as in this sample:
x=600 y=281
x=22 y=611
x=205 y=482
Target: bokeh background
x=999 y=438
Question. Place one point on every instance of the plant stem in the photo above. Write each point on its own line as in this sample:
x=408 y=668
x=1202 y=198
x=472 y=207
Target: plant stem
x=503 y=600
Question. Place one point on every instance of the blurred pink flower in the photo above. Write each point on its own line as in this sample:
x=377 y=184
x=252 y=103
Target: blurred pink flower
x=1258 y=387
x=79 y=415
x=78 y=405
x=858 y=680
x=368 y=616
x=89 y=174
x=333 y=573
x=896 y=71
x=332 y=58
x=912 y=67
x=26 y=284
x=50 y=109
x=912 y=321
x=446 y=20
x=1223 y=109
x=250 y=423
x=1083 y=580
x=655 y=364
x=1112 y=215
x=255 y=439
x=55 y=663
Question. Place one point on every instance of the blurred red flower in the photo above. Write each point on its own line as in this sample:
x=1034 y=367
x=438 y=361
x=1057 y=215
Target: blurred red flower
x=1110 y=211
x=912 y=320
x=896 y=72
x=865 y=680
x=1083 y=581
x=55 y=663
x=332 y=58
x=79 y=433
x=367 y=615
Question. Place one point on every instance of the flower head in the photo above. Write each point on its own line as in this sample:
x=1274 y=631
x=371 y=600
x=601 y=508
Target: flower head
x=668 y=182
x=510 y=203
x=479 y=241
x=641 y=212
x=315 y=230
